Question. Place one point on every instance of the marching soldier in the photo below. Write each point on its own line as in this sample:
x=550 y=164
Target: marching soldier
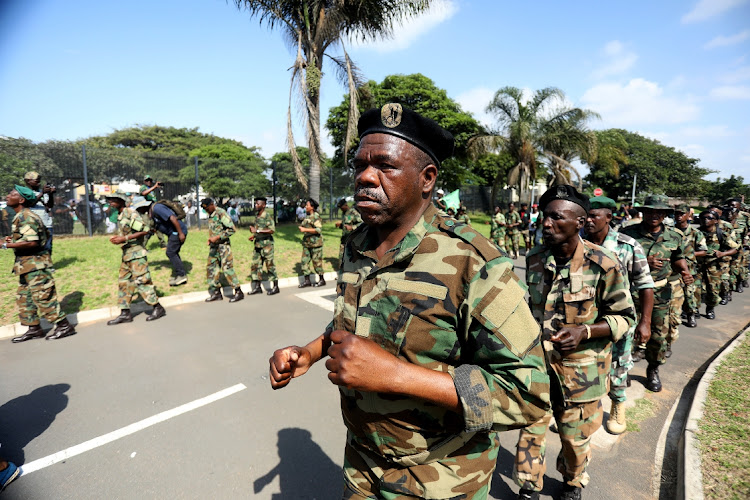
x=262 y=234
x=743 y=232
x=462 y=217
x=220 y=259
x=36 y=295
x=723 y=227
x=134 y=276
x=497 y=228
x=694 y=247
x=513 y=234
x=350 y=221
x=312 y=244
x=718 y=246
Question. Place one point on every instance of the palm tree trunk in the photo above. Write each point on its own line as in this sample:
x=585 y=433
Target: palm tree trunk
x=313 y=138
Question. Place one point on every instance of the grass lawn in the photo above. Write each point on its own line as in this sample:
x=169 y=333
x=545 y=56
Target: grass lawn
x=86 y=275
x=725 y=429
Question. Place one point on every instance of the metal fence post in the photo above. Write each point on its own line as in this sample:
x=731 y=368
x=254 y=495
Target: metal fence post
x=330 y=214
x=197 y=194
x=273 y=179
x=86 y=184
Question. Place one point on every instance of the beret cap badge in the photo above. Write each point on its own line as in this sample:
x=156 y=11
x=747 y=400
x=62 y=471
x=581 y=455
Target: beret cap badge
x=562 y=192
x=390 y=114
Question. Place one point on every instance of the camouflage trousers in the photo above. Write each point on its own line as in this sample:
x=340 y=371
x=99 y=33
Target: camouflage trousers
x=675 y=310
x=263 y=255
x=135 y=278
x=735 y=269
x=725 y=276
x=656 y=347
x=36 y=296
x=499 y=240
x=692 y=296
x=464 y=474
x=710 y=283
x=512 y=241
x=576 y=424
x=220 y=261
x=622 y=362
x=314 y=256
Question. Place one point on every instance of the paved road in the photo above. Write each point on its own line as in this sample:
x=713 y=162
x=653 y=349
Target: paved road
x=248 y=442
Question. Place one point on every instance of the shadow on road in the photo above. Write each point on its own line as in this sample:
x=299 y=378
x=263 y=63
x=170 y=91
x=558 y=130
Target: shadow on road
x=24 y=418
x=304 y=470
x=506 y=460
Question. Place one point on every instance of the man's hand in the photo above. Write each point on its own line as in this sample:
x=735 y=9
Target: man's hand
x=117 y=240
x=655 y=262
x=568 y=337
x=252 y=229
x=252 y=237
x=213 y=240
x=288 y=363
x=338 y=224
x=687 y=278
x=301 y=229
x=642 y=332
x=181 y=236
x=358 y=363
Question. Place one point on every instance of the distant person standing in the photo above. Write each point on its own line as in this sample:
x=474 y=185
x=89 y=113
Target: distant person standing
x=262 y=234
x=312 y=244
x=192 y=211
x=513 y=234
x=148 y=191
x=233 y=213
x=44 y=202
x=350 y=221
x=220 y=259
x=462 y=217
x=300 y=213
x=497 y=228
x=167 y=221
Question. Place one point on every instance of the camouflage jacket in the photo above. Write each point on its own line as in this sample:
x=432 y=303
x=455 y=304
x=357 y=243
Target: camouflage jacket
x=128 y=222
x=497 y=225
x=693 y=241
x=588 y=289
x=632 y=258
x=150 y=196
x=28 y=226
x=264 y=221
x=442 y=298
x=220 y=224
x=512 y=218
x=714 y=242
x=666 y=245
x=351 y=218
x=743 y=219
x=464 y=218
x=312 y=240
x=728 y=229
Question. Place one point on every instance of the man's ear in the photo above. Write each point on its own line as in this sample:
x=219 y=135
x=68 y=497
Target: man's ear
x=428 y=176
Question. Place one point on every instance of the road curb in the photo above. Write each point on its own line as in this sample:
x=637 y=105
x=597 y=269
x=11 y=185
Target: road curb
x=692 y=475
x=104 y=313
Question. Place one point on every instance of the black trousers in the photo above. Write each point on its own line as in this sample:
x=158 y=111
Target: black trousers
x=173 y=254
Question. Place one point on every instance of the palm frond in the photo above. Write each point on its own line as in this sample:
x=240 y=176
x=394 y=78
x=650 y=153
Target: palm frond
x=483 y=144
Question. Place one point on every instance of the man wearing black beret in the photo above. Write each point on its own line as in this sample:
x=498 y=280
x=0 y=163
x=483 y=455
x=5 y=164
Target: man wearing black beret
x=432 y=344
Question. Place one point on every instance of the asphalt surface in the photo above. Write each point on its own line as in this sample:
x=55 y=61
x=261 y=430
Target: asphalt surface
x=254 y=442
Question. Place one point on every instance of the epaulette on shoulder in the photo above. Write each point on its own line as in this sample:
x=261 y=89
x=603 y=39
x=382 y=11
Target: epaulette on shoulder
x=628 y=240
x=482 y=245
x=537 y=249
x=601 y=256
x=676 y=230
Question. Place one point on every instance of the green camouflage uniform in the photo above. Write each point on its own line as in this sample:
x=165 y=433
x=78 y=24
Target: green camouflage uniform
x=134 y=276
x=666 y=245
x=445 y=299
x=464 y=218
x=220 y=259
x=633 y=260
x=736 y=260
x=513 y=235
x=36 y=295
x=726 y=275
x=710 y=268
x=350 y=218
x=695 y=241
x=263 y=249
x=312 y=244
x=588 y=289
x=497 y=230
x=744 y=221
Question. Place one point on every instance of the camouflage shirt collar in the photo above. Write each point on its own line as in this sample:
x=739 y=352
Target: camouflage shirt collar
x=574 y=267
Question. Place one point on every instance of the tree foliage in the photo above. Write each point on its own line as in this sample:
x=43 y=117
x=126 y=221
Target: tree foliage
x=229 y=170
x=734 y=187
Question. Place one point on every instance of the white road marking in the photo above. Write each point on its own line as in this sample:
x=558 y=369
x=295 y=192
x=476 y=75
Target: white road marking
x=317 y=297
x=126 y=431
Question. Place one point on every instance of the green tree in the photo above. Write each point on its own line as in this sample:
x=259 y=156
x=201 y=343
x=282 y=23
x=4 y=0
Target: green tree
x=733 y=187
x=167 y=141
x=420 y=94
x=315 y=28
x=229 y=170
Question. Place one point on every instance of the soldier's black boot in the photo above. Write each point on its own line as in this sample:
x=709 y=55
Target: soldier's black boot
x=638 y=354
x=62 y=329
x=275 y=289
x=668 y=354
x=238 y=295
x=653 y=382
x=691 y=322
x=570 y=493
x=124 y=317
x=710 y=314
x=157 y=313
x=724 y=300
x=215 y=296
x=34 y=332
x=525 y=494
x=746 y=284
x=255 y=288
x=321 y=281
x=307 y=282
x=729 y=295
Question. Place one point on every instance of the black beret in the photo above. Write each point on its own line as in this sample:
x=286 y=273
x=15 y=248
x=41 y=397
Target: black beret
x=205 y=202
x=261 y=198
x=564 y=192
x=342 y=202
x=394 y=119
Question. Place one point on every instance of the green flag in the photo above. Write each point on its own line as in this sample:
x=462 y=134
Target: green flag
x=452 y=200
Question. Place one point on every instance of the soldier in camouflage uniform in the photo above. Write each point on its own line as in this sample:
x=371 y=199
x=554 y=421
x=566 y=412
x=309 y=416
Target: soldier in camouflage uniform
x=312 y=244
x=694 y=247
x=580 y=296
x=462 y=217
x=350 y=220
x=633 y=260
x=743 y=237
x=429 y=301
x=36 y=295
x=220 y=259
x=263 y=248
x=134 y=276
x=718 y=246
x=736 y=262
x=724 y=227
x=513 y=227
x=663 y=247
x=497 y=228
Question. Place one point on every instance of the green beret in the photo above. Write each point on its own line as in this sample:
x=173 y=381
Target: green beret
x=563 y=192
x=602 y=202
x=394 y=119
x=25 y=192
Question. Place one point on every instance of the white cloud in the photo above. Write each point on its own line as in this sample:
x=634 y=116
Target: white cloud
x=711 y=131
x=736 y=76
x=640 y=102
x=723 y=41
x=731 y=92
x=619 y=60
x=706 y=9
x=411 y=29
x=475 y=101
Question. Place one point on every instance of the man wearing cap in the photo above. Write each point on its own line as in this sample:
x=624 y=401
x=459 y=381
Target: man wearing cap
x=664 y=251
x=440 y=202
x=462 y=217
x=497 y=228
x=262 y=235
x=350 y=220
x=311 y=228
x=582 y=300
x=432 y=344
x=732 y=215
x=513 y=234
x=694 y=246
x=710 y=266
x=220 y=259
x=166 y=222
x=633 y=260
x=36 y=295
x=45 y=202
x=134 y=276
x=148 y=191
x=743 y=231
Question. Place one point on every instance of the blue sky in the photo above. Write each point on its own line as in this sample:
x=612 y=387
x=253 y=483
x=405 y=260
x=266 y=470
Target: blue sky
x=676 y=71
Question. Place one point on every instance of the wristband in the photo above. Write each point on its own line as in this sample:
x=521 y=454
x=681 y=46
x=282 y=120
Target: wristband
x=588 y=331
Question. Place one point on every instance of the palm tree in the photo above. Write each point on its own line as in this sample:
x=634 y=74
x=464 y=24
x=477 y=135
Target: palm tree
x=314 y=27
x=565 y=138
